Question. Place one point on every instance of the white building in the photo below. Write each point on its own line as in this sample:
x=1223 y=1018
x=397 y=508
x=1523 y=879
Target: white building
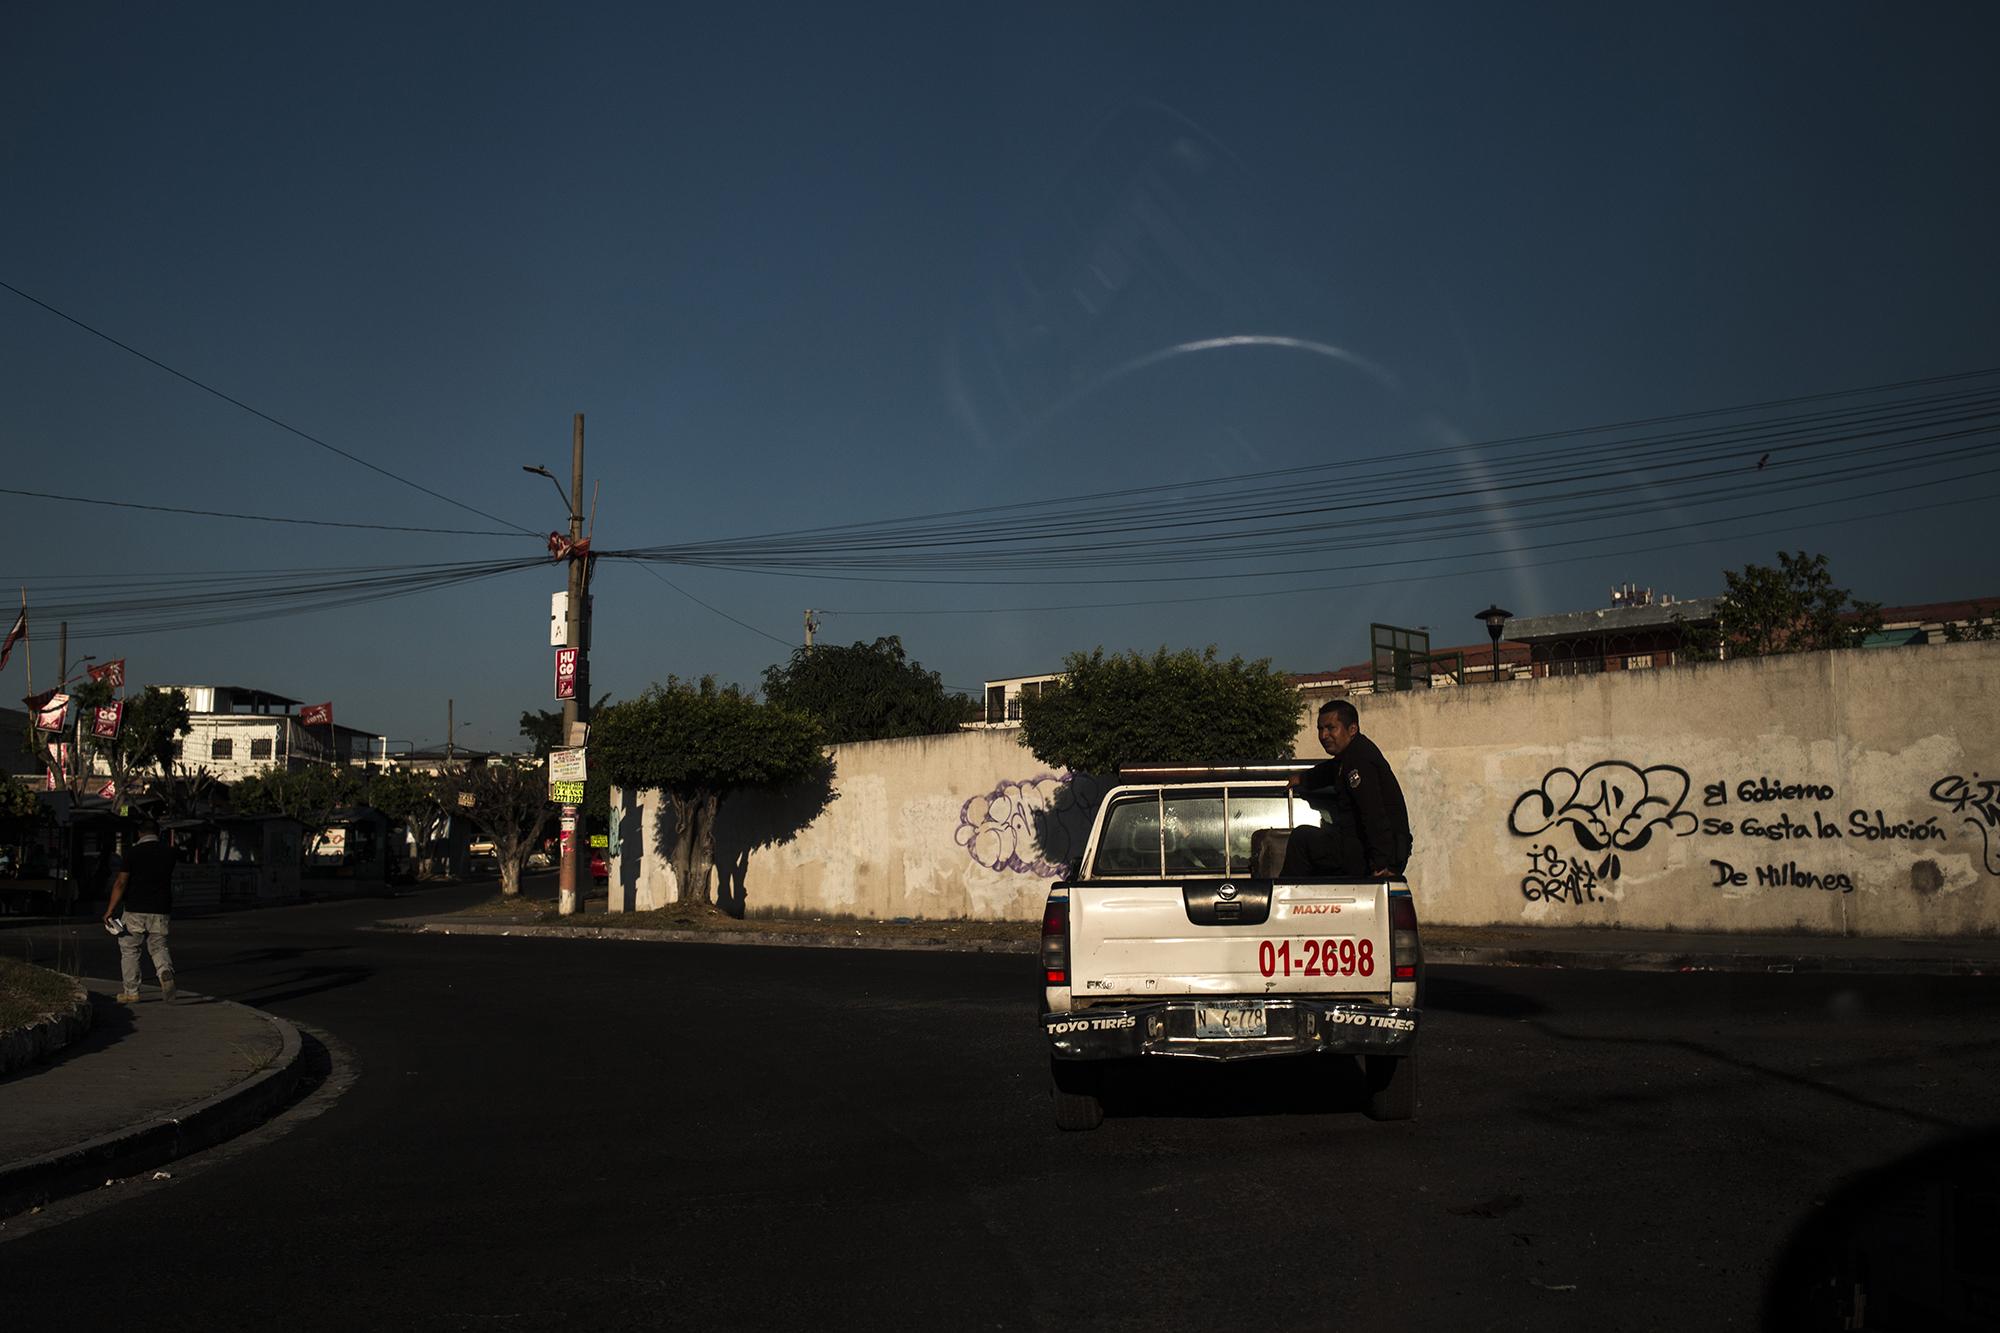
x=236 y=731
x=1004 y=698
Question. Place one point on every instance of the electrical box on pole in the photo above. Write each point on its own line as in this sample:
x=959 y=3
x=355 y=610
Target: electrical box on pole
x=559 y=621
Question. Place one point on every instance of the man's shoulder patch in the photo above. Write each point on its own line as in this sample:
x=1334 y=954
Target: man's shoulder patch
x=1353 y=778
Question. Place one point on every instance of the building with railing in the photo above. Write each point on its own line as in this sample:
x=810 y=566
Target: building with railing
x=236 y=731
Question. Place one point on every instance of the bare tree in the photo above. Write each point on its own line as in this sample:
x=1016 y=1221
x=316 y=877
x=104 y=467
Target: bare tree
x=510 y=805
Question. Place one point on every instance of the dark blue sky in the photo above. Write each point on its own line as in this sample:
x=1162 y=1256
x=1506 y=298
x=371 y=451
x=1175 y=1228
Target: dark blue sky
x=804 y=265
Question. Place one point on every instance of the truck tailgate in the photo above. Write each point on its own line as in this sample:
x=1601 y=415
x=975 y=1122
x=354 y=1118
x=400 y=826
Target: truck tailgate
x=1170 y=938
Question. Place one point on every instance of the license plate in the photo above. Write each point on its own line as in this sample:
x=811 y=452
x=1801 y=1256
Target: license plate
x=1229 y=1020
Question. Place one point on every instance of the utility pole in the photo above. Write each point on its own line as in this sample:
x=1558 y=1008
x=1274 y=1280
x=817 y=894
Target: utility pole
x=576 y=709
x=450 y=731
x=75 y=739
x=811 y=626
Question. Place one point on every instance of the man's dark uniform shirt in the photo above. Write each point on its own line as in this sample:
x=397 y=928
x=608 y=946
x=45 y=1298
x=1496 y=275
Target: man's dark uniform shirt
x=1364 y=807
x=150 y=886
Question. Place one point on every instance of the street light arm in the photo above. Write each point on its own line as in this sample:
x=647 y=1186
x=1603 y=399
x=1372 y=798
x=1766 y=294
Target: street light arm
x=544 y=472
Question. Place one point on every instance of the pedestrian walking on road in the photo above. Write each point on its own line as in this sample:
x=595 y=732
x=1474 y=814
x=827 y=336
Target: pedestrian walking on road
x=144 y=888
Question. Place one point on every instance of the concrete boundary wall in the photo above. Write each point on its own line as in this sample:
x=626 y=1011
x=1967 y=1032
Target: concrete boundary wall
x=1852 y=793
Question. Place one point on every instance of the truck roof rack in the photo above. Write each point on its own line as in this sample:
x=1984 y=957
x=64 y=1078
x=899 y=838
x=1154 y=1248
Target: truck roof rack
x=1212 y=771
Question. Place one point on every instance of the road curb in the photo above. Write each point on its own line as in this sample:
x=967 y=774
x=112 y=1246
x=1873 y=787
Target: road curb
x=932 y=944
x=1448 y=955
x=150 y=1143
x=23 y=1046
x=1659 y=960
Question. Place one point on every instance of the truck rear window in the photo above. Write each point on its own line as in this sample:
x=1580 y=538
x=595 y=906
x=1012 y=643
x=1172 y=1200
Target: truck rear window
x=1187 y=831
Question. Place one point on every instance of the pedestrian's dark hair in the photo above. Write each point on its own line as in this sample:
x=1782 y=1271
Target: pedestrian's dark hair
x=148 y=824
x=1343 y=710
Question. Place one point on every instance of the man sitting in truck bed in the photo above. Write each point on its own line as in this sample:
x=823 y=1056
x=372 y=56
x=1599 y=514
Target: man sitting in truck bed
x=1367 y=826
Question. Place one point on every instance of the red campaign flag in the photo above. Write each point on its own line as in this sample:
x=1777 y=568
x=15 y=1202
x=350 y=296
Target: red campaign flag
x=105 y=723
x=317 y=715
x=111 y=673
x=14 y=635
x=52 y=714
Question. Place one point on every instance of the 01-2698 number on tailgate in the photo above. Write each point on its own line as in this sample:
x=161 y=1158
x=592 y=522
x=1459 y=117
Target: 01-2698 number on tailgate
x=1317 y=958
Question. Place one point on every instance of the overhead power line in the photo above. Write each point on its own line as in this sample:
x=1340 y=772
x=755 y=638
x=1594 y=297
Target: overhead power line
x=259 y=413
x=1231 y=523
x=1002 y=518
x=1479 y=564
x=255 y=518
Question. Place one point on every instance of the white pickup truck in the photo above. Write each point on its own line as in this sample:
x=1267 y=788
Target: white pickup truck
x=1179 y=937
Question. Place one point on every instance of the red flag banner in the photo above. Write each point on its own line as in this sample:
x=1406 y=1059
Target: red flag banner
x=51 y=715
x=111 y=673
x=108 y=791
x=317 y=715
x=14 y=635
x=104 y=724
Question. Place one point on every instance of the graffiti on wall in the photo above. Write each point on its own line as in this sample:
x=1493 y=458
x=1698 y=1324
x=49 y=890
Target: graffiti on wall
x=1037 y=826
x=1979 y=801
x=1613 y=808
x=1555 y=878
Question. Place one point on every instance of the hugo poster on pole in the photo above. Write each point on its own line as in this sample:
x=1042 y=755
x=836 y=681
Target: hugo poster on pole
x=565 y=673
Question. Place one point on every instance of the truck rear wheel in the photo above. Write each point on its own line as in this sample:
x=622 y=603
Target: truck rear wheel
x=1078 y=1090
x=1392 y=1086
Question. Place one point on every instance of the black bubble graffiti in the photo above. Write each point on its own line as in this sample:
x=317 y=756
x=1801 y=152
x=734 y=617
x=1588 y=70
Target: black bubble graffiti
x=1982 y=799
x=1611 y=807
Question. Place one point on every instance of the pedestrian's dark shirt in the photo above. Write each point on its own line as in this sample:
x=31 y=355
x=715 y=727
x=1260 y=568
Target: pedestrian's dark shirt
x=149 y=866
x=1360 y=795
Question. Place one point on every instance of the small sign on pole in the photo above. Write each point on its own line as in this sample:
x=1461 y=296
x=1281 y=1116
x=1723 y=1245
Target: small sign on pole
x=566 y=793
x=565 y=673
x=568 y=766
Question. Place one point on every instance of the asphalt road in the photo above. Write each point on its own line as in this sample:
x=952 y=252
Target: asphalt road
x=555 y=1134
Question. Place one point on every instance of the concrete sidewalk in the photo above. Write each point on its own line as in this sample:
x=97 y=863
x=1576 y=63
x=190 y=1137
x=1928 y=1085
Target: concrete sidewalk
x=151 y=1082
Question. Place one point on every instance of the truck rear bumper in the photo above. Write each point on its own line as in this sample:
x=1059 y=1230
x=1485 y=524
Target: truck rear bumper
x=1292 y=1026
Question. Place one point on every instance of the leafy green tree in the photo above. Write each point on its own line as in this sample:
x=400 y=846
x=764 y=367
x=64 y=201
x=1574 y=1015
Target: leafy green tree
x=144 y=745
x=414 y=800
x=186 y=793
x=510 y=805
x=309 y=795
x=1181 y=708
x=544 y=727
x=1983 y=627
x=1794 y=608
x=865 y=692
x=699 y=742
x=16 y=801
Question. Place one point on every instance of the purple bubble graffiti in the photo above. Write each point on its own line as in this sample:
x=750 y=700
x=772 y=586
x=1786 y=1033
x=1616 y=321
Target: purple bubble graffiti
x=1031 y=827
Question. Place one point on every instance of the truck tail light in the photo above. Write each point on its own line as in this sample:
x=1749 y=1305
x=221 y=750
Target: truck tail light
x=1055 y=942
x=1404 y=951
